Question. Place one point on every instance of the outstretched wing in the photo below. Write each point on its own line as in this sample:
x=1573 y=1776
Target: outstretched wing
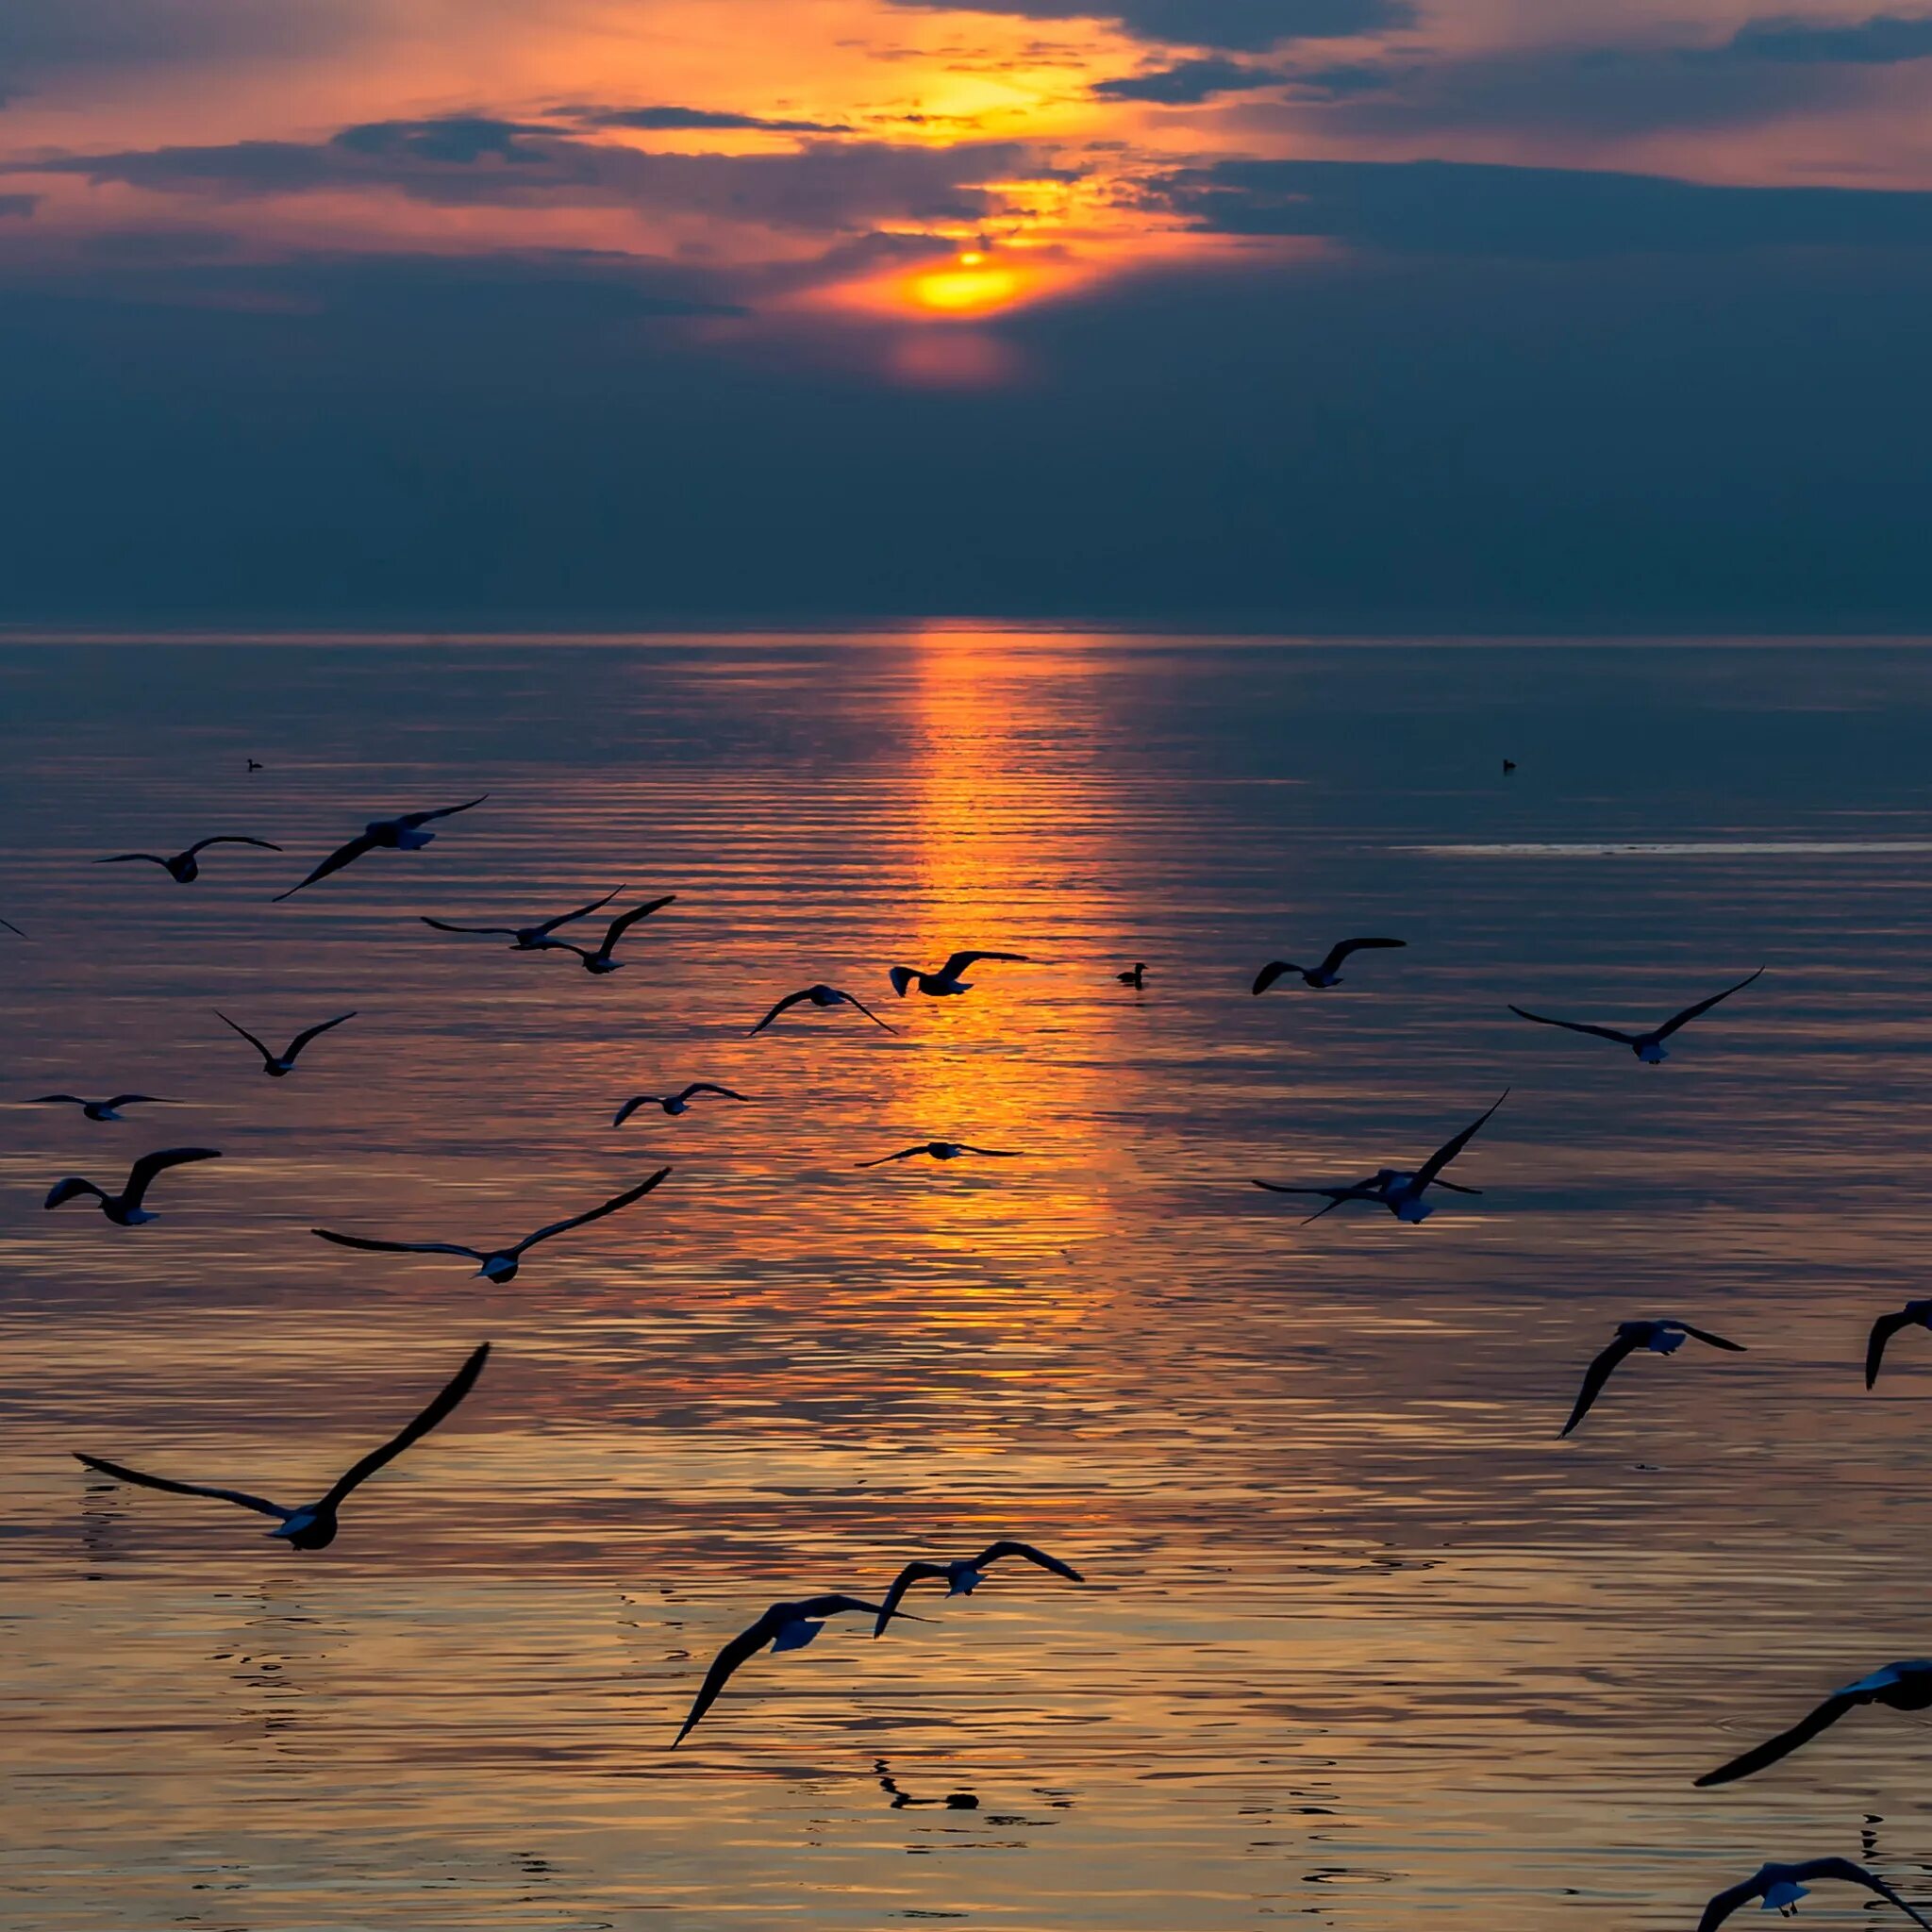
x=1594 y=1378
x=128 y=1099
x=71 y=1189
x=625 y=921
x=140 y=1177
x=1705 y=1335
x=993 y=1153
x=243 y=1031
x=1882 y=1331
x=413 y=819
x=1270 y=973
x=1450 y=1149
x=228 y=839
x=12 y=928
x=1725 y=1903
x=631 y=1105
x=913 y=1573
x=451 y=1393
x=711 y=1087
x=833 y=1603
x=903 y=1154
x=1577 y=1027
x=121 y=1472
x=959 y=962
x=376 y=1247
x=597 y=1214
x=1007 y=1547
x=747 y=1643
x=1857 y=1874
x=505 y=932
x=546 y=926
x=791 y=999
x=342 y=856
x=122 y=858
x=1342 y=949
x=1676 y=1020
x=1782 y=1745
x=50 y=1099
x=302 y=1038
x=850 y=1001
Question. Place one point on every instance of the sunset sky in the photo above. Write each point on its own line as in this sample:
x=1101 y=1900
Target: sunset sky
x=1333 y=314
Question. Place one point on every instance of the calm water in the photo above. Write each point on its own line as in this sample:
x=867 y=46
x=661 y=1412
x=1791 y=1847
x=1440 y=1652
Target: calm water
x=1363 y=1644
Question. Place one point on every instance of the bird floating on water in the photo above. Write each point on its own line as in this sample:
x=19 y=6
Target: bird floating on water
x=531 y=938
x=255 y=764
x=1394 y=1188
x=674 y=1104
x=946 y=981
x=783 y=1626
x=1135 y=976
x=1327 y=973
x=1904 y=1686
x=109 y=1109
x=313 y=1525
x=1913 y=1315
x=495 y=1264
x=821 y=996
x=942 y=1150
x=1656 y=1337
x=184 y=868
x=601 y=960
x=403 y=833
x=1648 y=1047
x=1782 y=1886
x=125 y=1210
x=965 y=1574
x=278 y=1066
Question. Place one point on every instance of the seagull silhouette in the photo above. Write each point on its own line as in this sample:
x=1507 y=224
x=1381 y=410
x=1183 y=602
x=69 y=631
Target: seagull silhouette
x=96 y=1109
x=403 y=833
x=277 y=1066
x=125 y=1210
x=1135 y=976
x=821 y=996
x=942 y=1150
x=674 y=1102
x=1395 y=1188
x=1656 y=1337
x=601 y=962
x=1780 y=1887
x=12 y=928
x=496 y=1264
x=1913 y=1315
x=184 y=868
x=527 y=939
x=783 y=1626
x=965 y=1574
x=1327 y=973
x=1648 y=1047
x=946 y=981
x=1906 y=1686
x=313 y=1525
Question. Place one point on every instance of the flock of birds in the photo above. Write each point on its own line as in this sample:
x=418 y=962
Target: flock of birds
x=1904 y=1686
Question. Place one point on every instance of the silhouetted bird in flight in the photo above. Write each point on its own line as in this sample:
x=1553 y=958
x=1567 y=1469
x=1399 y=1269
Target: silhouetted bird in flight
x=403 y=833
x=1136 y=976
x=313 y=1525
x=278 y=1066
x=1327 y=973
x=185 y=867
x=531 y=938
x=496 y=1264
x=674 y=1102
x=1395 y=1188
x=941 y=1150
x=96 y=1109
x=1657 y=1337
x=822 y=998
x=965 y=1574
x=946 y=981
x=1913 y=1315
x=1781 y=1887
x=1906 y=1686
x=125 y=1210
x=783 y=1626
x=1648 y=1047
x=601 y=960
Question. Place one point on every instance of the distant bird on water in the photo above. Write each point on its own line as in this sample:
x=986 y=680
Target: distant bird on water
x=821 y=996
x=942 y=1150
x=1508 y=766
x=1394 y=1188
x=184 y=868
x=1658 y=1337
x=783 y=1626
x=495 y=1264
x=601 y=960
x=1781 y=1887
x=965 y=1574
x=527 y=939
x=403 y=833
x=1648 y=1047
x=313 y=1525
x=674 y=1104
x=946 y=981
x=1906 y=1686
x=278 y=1066
x=96 y=1109
x=125 y=1210
x=255 y=764
x=1327 y=973
x=1913 y=1315
x=1136 y=976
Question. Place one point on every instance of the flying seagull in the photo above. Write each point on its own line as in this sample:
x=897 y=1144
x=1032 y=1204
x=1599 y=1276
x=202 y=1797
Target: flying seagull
x=1648 y=1047
x=496 y=1264
x=783 y=1626
x=125 y=1210
x=1906 y=1686
x=312 y=1526
x=96 y=1109
x=1658 y=1338
x=403 y=833
x=1135 y=976
x=278 y=1066
x=1327 y=973
x=601 y=962
x=1780 y=1887
x=674 y=1102
x=184 y=868
x=527 y=939
x=941 y=1150
x=946 y=981
x=1913 y=1315
x=965 y=1574
x=1394 y=1188
x=821 y=996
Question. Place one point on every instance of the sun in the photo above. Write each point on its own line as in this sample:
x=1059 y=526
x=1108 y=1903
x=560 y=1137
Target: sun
x=970 y=284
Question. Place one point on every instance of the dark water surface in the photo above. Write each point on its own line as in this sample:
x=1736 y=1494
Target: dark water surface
x=1362 y=1645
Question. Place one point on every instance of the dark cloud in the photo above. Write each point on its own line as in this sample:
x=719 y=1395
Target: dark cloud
x=1882 y=40
x=18 y=205
x=676 y=120
x=1187 y=83
x=1243 y=25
